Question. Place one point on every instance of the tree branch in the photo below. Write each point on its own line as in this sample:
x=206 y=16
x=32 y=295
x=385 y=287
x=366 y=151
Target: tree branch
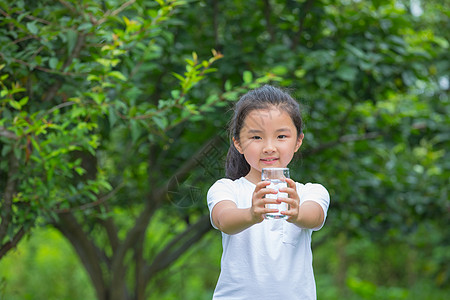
x=61 y=105
x=115 y=12
x=12 y=243
x=215 y=16
x=301 y=21
x=75 y=53
x=10 y=190
x=267 y=15
x=186 y=168
x=111 y=230
x=139 y=290
x=154 y=200
x=179 y=244
x=88 y=253
x=43 y=69
x=100 y=201
x=68 y=5
x=118 y=268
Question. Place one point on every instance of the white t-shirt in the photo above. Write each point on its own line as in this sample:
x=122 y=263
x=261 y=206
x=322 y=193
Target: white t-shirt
x=271 y=259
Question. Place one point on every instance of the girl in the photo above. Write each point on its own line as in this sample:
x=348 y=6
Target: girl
x=265 y=259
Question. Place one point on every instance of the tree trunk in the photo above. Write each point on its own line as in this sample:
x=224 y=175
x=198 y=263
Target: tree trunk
x=341 y=274
x=86 y=250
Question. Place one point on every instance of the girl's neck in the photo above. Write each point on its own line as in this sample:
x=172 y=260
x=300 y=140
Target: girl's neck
x=253 y=176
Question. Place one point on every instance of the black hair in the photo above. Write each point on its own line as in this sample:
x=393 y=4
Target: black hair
x=263 y=97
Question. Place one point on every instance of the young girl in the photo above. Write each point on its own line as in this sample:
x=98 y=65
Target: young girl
x=265 y=258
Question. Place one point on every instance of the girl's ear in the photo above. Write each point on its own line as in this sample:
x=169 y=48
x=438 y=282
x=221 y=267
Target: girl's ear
x=237 y=146
x=299 y=141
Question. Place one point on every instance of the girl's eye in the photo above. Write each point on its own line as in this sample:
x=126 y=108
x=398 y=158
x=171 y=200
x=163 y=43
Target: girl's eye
x=282 y=136
x=255 y=137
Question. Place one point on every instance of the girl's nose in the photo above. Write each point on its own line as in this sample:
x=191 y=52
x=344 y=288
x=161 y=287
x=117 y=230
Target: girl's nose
x=269 y=148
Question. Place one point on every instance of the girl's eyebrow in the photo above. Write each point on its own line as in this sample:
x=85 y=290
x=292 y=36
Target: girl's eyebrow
x=251 y=131
x=283 y=129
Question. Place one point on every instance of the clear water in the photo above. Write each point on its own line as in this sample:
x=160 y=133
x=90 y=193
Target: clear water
x=276 y=184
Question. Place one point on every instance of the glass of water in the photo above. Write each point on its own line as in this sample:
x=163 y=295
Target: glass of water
x=276 y=177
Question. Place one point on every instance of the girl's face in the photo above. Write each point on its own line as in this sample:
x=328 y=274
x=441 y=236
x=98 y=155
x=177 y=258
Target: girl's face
x=268 y=139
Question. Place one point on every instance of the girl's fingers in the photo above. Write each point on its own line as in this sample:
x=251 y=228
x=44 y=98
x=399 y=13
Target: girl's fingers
x=262 y=184
x=290 y=201
x=259 y=195
x=291 y=183
x=264 y=210
x=261 y=189
x=263 y=199
x=291 y=189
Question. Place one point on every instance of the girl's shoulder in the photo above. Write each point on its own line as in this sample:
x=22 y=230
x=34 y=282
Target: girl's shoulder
x=314 y=190
x=310 y=186
x=229 y=183
x=226 y=189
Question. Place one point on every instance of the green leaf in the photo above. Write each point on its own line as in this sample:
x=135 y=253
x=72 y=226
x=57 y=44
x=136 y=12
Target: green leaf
x=85 y=26
x=15 y=104
x=178 y=76
x=135 y=130
x=80 y=170
x=71 y=40
x=35 y=144
x=211 y=99
x=152 y=13
x=347 y=73
x=228 y=85
x=175 y=94
x=5 y=150
x=442 y=42
x=53 y=62
x=300 y=73
x=104 y=62
x=279 y=70
x=38 y=59
x=161 y=122
x=32 y=27
x=118 y=75
x=23 y=101
x=354 y=50
x=112 y=116
x=93 y=78
x=247 y=76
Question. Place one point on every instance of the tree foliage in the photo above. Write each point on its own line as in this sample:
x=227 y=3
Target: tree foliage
x=373 y=81
x=91 y=98
x=113 y=117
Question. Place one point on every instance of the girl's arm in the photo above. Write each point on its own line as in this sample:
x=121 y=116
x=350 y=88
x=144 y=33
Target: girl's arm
x=310 y=215
x=230 y=219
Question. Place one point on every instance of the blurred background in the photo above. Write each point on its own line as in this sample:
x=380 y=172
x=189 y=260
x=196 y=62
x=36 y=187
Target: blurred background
x=113 y=125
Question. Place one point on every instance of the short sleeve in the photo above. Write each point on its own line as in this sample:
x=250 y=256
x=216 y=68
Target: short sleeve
x=219 y=191
x=317 y=193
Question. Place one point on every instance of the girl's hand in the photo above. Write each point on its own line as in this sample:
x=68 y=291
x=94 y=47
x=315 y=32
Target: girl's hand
x=258 y=209
x=293 y=201
x=309 y=215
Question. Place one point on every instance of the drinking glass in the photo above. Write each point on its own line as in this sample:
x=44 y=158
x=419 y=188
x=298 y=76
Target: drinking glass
x=276 y=176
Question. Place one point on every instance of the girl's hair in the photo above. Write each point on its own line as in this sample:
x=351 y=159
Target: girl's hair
x=264 y=97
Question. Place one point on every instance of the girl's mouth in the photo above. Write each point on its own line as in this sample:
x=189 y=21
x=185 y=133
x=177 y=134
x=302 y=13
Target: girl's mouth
x=270 y=159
